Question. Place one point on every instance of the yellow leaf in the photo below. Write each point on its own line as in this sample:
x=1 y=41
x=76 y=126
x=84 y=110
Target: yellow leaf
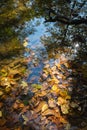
x=25 y=43
x=25 y=119
x=65 y=108
x=54 y=88
x=61 y=101
x=44 y=107
x=1 y=93
x=68 y=97
x=8 y=89
x=0 y=113
x=63 y=93
x=24 y=84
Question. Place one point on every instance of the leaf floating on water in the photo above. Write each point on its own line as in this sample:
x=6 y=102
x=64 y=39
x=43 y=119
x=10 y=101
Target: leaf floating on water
x=3 y=73
x=44 y=76
x=52 y=103
x=21 y=105
x=63 y=93
x=37 y=86
x=49 y=112
x=0 y=113
x=65 y=108
x=1 y=93
x=25 y=119
x=1 y=104
x=47 y=66
x=44 y=107
x=73 y=104
x=24 y=84
x=39 y=107
x=55 y=89
x=25 y=43
x=8 y=89
x=15 y=105
x=61 y=101
x=2 y=122
x=42 y=94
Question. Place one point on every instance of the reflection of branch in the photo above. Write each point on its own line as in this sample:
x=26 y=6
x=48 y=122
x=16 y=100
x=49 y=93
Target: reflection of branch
x=66 y=20
x=54 y=16
x=82 y=4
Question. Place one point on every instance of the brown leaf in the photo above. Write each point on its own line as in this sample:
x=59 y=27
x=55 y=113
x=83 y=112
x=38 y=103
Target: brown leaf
x=2 y=122
x=52 y=103
x=1 y=104
x=61 y=101
x=4 y=128
x=15 y=105
x=50 y=112
x=39 y=107
x=42 y=94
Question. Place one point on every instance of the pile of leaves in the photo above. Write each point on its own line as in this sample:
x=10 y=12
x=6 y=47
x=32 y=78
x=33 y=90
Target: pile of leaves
x=37 y=106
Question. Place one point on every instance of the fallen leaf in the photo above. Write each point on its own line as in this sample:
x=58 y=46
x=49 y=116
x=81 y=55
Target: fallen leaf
x=42 y=94
x=1 y=93
x=0 y=113
x=8 y=89
x=15 y=105
x=1 y=104
x=65 y=108
x=61 y=101
x=24 y=84
x=38 y=86
x=25 y=119
x=63 y=93
x=49 y=112
x=44 y=107
x=2 y=122
x=39 y=107
x=21 y=105
x=52 y=103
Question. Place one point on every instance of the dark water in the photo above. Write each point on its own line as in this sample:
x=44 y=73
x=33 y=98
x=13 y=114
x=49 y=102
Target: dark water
x=34 y=30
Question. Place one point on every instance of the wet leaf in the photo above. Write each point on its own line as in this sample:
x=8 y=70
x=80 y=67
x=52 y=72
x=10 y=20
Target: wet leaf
x=44 y=75
x=61 y=101
x=52 y=103
x=65 y=108
x=8 y=89
x=37 y=86
x=1 y=104
x=25 y=43
x=39 y=107
x=1 y=93
x=2 y=122
x=0 y=113
x=21 y=105
x=63 y=93
x=73 y=104
x=25 y=119
x=15 y=105
x=44 y=107
x=24 y=84
x=42 y=94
